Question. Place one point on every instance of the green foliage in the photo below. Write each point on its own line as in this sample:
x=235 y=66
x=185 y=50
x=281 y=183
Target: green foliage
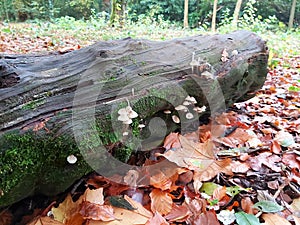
x=268 y=206
x=243 y=218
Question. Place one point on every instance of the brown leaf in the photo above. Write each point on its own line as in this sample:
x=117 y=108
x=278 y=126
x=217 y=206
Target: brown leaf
x=172 y=141
x=207 y=218
x=290 y=159
x=179 y=213
x=45 y=221
x=275 y=219
x=275 y=147
x=219 y=193
x=97 y=212
x=238 y=167
x=140 y=209
x=157 y=219
x=5 y=217
x=161 y=201
x=218 y=166
x=247 y=205
x=124 y=217
x=191 y=154
x=94 y=196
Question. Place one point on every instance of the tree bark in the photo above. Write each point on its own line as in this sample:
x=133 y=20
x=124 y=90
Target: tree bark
x=292 y=14
x=236 y=12
x=214 y=16
x=54 y=106
x=186 y=14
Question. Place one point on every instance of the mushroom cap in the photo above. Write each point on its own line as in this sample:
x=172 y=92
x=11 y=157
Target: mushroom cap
x=167 y=111
x=122 y=111
x=189 y=116
x=181 y=107
x=129 y=121
x=72 y=159
x=191 y=99
x=132 y=114
x=123 y=117
x=175 y=119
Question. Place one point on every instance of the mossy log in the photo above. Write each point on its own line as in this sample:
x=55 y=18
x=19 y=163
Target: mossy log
x=56 y=105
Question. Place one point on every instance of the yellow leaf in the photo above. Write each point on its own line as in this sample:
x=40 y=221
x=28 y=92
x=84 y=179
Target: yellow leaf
x=66 y=209
x=45 y=221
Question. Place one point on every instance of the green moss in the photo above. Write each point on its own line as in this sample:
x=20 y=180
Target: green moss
x=32 y=164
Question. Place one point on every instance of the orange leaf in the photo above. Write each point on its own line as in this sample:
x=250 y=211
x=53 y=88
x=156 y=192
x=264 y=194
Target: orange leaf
x=275 y=219
x=97 y=212
x=247 y=206
x=5 y=217
x=161 y=201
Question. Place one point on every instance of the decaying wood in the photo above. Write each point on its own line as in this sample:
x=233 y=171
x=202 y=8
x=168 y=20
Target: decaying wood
x=46 y=97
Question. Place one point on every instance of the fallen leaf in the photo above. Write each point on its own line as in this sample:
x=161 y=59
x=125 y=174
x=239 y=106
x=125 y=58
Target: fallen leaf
x=157 y=219
x=268 y=206
x=247 y=206
x=226 y=217
x=140 y=209
x=207 y=218
x=161 y=201
x=5 y=217
x=219 y=166
x=179 y=213
x=97 y=212
x=290 y=159
x=275 y=147
x=66 y=209
x=284 y=138
x=172 y=141
x=45 y=221
x=243 y=218
x=94 y=196
x=124 y=217
x=275 y=219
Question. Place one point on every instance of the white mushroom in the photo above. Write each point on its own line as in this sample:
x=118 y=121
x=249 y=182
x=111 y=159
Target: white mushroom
x=123 y=117
x=193 y=62
x=181 y=107
x=71 y=159
x=200 y=109
x=167 y=111
x=175 y=119
x=141 y=125
x=122 y=111
x=132 y=114
x=191 y=99
x=234 y=52
x=186 y=103
x=125 y=133
x=189 y=116
x=127 y=121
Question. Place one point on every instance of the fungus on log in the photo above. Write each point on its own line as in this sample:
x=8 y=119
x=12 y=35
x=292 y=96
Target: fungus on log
x=63 y=106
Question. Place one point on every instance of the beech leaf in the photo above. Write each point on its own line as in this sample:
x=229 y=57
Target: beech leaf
x=275 y=219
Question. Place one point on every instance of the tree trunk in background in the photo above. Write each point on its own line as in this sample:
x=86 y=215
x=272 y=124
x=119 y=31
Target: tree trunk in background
x=113 y=12
x=214 y=17
x=292 y=14
x=236 y=13
x=186 y=14
x=46 y=101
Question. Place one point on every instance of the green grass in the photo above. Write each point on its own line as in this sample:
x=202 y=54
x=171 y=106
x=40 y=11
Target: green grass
x=68 y=31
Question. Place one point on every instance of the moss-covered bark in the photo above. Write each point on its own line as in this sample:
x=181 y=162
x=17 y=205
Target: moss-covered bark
x=54 y=106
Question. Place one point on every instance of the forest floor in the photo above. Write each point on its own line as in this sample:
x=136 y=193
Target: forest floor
x=252 y=173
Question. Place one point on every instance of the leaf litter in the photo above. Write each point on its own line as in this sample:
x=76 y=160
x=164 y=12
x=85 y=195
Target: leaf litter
x=247 y=174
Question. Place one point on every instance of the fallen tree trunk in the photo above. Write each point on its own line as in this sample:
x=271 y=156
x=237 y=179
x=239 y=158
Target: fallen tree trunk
x=55 y=106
